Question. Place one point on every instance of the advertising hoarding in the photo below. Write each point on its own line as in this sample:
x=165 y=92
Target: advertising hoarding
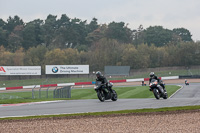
x=117 y=70
x=67 y=69
x=20 y=70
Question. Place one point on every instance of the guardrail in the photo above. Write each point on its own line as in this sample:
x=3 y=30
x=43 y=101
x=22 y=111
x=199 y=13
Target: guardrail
x=83 y=83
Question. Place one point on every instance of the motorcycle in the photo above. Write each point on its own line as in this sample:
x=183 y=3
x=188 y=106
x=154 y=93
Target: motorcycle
x=157 y=89
x=103 y=93
x=186 y=83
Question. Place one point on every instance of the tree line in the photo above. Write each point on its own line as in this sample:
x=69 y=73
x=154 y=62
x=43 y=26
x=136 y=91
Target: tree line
x=106 y=52
x=73 y=41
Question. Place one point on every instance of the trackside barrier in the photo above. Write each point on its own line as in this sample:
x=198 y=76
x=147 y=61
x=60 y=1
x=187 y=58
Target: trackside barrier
x=85 y=83
x=40 y=90
x=1 y=89
x=118 y=81
x=134 y=80
x=47 y=91
x=171 y=77
x=33 y=96
x=64 y=92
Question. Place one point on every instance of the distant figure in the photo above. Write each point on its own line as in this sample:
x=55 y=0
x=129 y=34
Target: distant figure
x=186 y=82
x=143 y=83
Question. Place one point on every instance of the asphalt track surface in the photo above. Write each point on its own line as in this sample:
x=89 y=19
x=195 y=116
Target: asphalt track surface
x=188 y=95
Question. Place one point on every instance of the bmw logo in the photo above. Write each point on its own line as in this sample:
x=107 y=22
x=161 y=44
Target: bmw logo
x=54 y=69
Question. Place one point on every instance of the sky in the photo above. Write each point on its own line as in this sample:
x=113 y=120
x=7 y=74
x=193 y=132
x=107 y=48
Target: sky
x=167 y=13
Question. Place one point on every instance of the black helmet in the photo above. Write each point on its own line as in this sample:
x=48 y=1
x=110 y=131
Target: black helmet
x=98 y=74
x=151 y=74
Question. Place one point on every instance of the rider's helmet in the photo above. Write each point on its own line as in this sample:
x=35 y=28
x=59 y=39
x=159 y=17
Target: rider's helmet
x=98 y=74
x=151 y=74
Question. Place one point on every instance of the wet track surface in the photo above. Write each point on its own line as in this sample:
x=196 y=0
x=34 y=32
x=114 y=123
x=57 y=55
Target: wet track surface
x=188 y=95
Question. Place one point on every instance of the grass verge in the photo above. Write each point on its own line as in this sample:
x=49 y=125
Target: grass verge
x=123 y=92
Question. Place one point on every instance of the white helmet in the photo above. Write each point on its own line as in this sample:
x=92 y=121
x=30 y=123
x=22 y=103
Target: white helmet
x=151 y=74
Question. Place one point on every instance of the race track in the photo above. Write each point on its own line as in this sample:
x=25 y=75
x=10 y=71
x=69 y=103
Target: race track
x=188 y=95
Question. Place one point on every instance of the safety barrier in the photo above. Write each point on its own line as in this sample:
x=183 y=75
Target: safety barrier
x=84 y=83
x=64 y=92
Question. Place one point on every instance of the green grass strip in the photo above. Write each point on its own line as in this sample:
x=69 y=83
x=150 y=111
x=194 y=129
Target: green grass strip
x=166 y=109
x=123 y=93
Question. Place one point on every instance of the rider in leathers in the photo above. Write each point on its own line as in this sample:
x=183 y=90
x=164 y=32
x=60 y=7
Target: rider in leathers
x=153 y=76
x=104 y=81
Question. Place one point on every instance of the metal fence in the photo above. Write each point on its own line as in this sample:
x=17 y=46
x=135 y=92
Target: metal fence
x=47 y=92
x=37 y=93
x=64 y=92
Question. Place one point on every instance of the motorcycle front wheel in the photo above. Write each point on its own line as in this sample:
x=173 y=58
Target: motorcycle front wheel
x=156 y=93
x=101 y=96
x=114 y=95
x=165 y=96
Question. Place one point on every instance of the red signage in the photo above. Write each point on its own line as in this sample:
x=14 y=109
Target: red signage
x=2 y=69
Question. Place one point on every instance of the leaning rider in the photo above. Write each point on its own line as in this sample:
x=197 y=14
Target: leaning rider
x=102 y=79
x=185 y=81
x=153 y=76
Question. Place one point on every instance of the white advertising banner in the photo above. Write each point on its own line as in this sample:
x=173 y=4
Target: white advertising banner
x=67 y=69
x=20 y=70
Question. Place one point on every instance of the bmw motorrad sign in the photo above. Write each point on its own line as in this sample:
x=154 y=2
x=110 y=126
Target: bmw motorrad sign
x=20 y=70
x=67 y=69
x=55 y=69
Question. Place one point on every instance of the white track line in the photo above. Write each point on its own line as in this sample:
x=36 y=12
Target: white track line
x=31 y=103
x=176 y=91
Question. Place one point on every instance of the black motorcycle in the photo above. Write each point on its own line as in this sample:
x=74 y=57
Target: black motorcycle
x=104 y=93
x=157 y=89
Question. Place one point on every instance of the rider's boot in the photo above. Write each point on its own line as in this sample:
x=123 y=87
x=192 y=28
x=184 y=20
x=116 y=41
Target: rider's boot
x=110 y=89
x=164 y=90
